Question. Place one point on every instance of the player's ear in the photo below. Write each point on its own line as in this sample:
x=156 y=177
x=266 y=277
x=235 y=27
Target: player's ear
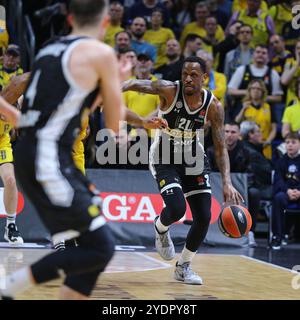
x=204 y=77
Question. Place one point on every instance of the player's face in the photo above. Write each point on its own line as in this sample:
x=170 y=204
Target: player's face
x=192 y=78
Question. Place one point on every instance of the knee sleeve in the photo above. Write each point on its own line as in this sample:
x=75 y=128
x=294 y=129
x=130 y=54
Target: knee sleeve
x=93 y=253
x=175 y=206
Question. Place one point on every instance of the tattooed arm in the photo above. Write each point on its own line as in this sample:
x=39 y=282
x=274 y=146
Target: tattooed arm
x=166 y=90
x=147 y=86
x=216 y=117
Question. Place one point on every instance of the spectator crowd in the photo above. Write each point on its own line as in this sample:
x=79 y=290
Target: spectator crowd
x=252 y=55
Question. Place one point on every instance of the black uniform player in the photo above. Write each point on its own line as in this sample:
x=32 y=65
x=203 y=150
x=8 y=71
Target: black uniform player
x=180 y=167
x=65 y=79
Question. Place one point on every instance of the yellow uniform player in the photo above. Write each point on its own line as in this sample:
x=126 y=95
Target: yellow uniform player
x=78 y=147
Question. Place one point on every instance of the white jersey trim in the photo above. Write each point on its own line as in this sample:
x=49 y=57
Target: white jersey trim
x=169 y=186
x=208 y=106
x=188 y=110
x=48 y=172
x=174 y=101
x=191 y=193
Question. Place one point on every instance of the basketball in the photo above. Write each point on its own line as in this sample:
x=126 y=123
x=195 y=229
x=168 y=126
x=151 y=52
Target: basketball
x=235 y=221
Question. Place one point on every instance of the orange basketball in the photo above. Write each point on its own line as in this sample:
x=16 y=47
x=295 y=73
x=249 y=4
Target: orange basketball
x=235 y=221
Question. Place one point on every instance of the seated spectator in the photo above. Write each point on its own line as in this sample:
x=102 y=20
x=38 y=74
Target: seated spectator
x=172 y=69
x=158 y=37
x=116 y=11
x=211 y=40
x=193 y=43
x=141 y=103
x=239 y=158
x=256 y=109
x=215 y=81
x=182 y=12
x=228 y=44
x=281 y=56
x=259 y=164
x=198 y=27
x=281 y=13
x=11 y=65
x=241 y=55
x=3 y=32
x=262 y=24
x=291 y=115
x=221 y=9
x=286 y=187
x=290 y=75
x=122 y=40
x=144 y=8
x=259 y=69
x=130 y=54
x=211 y=28
x=239 y=5
x=138 y=29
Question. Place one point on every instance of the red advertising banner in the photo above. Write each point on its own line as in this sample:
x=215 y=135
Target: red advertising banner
x=142 y=207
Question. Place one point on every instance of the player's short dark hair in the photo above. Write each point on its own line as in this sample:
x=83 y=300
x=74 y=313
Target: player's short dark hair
x=292 y=135
x=87 y=12
x=195 y=59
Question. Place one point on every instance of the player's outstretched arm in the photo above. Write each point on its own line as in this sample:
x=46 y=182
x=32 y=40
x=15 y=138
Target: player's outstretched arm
x=10 y=113
x=16 y=87
x=151 y=122
x=216 y=117
x=158 y=87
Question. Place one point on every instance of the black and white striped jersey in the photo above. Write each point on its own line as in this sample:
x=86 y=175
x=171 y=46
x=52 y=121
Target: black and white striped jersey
x=185 y=131
x=53 y=102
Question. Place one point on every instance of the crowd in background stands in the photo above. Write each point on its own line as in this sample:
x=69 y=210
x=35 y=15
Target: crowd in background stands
x=252 y=55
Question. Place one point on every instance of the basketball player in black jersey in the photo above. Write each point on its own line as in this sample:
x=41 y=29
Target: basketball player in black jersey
x=187 y=107
x=66 y=77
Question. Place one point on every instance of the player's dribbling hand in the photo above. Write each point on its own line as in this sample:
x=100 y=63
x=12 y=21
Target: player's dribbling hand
x=155 y=123
x=231 y=195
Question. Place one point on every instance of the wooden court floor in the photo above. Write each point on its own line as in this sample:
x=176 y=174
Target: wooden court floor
x=143 y=275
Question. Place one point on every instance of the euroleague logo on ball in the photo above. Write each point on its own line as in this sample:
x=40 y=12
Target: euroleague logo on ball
x=235 y=221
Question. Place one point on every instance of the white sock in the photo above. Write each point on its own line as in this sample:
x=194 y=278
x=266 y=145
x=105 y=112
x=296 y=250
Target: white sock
x=18 y=282
x=10 y=218
x=186 y=256
x=161 y=227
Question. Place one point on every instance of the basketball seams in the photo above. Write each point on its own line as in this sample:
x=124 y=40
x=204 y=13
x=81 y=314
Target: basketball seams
x=229 y=227
x=230 y=224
